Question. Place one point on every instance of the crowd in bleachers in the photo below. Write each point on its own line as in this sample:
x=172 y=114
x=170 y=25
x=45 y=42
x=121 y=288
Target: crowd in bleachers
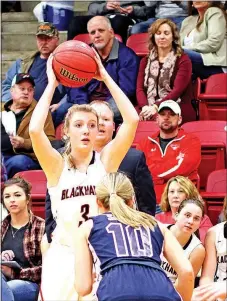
x=166 y=61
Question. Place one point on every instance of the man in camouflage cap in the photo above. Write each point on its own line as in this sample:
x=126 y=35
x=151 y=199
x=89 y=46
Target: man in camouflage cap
x=47 y=40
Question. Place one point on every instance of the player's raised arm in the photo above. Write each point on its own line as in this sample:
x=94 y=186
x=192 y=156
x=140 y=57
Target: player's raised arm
x=173 y=252
x=49 y=159
x=115 y=151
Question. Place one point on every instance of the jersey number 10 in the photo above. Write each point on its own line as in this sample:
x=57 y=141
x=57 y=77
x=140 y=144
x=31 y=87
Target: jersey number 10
x=138 y=240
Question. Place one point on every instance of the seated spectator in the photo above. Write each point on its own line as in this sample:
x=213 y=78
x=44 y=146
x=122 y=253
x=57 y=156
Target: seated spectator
x=120 y=62
x=16 y=143
x=214 y=267
x=176 y=191
x=188 y=219
x=165 y=73
x=21 y=237
x=121 y=14
x=203 y=38
x=133 y=165
x=176 y=11
x=171 y=151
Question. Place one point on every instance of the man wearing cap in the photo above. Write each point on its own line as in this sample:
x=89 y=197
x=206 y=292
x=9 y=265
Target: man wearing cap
x=16 y=144
x=171 y=151
x=47 y=40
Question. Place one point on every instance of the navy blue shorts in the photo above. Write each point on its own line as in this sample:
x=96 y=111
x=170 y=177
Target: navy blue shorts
x=132 y=282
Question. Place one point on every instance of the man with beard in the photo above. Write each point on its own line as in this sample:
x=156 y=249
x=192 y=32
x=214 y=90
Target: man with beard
x=171 y=151
x=120 y=62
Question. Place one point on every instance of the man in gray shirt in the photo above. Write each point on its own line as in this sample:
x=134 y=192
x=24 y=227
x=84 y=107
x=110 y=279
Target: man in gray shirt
x=176 y=11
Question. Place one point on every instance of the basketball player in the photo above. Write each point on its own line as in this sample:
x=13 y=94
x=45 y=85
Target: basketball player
x=188 y=219
x=72 y=178
x=126 y=245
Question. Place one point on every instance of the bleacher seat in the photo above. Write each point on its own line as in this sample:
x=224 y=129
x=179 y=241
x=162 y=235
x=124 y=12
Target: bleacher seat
x=59 y=131
x=38 y=181
x=84 y=37
x=216 y=190
x=212 y=136
x=138 y=43
x=144 y=129
x=212 y=97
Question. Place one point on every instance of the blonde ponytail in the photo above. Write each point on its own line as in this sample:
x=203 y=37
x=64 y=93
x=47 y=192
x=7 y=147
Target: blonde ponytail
x=114 y=192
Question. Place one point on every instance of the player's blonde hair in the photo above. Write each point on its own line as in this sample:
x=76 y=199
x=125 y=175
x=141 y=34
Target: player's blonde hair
x=186 y=185
x=114 y=192
x=75 y=108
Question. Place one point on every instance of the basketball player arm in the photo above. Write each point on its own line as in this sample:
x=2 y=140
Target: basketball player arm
x=50 y=160
x=197 y=258
x=173 y=252
x=83 y=260
x=210 y=262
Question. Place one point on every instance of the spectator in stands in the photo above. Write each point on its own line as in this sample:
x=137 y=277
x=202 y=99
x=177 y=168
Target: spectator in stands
x=121 y=14
x=203 y=37
x=165 y=73
x=176 y=11
x=120 y=62
x=134 y=165
x=176 y=191
x=188 y=220
x=21 y=237
x=16 y=144
x=171 y=151
x=214 y=267
x=47 y=38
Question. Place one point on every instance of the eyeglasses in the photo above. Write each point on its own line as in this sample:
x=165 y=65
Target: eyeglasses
x=30 y=89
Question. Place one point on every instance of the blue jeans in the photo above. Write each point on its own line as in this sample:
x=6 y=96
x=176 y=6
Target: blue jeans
x=117 y=115
x=59 y=115
x=143 y=26
x=17 y=163
x=198 y=68
x=19 y=290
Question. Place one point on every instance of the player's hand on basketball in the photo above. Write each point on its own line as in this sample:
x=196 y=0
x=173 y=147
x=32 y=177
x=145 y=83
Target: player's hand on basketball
x=50 y=72
x=101 y=73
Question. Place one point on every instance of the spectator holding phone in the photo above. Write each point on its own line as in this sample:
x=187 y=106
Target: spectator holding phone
x=21 y=234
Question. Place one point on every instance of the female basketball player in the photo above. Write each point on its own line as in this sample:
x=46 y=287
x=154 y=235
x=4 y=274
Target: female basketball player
x=215 y=264
x=188 y=219
x=127 y=244
x=73 y=177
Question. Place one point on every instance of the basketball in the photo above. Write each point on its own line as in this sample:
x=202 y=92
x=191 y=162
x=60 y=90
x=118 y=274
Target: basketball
x=74 y=64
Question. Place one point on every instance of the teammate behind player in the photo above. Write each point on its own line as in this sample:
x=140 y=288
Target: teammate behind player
x=128 y=244
x=72 y=178
x=188 y=219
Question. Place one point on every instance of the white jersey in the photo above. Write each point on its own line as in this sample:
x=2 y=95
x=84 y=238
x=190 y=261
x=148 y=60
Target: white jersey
x=221 y=249
x=193 y=243
x=74 y=196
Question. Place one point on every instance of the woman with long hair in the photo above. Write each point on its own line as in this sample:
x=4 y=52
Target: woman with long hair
x=126 y=245
x=165 y=73
x=21 y=234
x=72 y=178
x=188 y=219
x=203 y=38
x=176 y=190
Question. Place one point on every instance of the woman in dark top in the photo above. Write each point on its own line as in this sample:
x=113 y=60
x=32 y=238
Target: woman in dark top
x=165 y=73
x=21 y=234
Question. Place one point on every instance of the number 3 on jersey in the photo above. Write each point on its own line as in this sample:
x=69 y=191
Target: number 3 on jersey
x=84 y=210
x=138 y=240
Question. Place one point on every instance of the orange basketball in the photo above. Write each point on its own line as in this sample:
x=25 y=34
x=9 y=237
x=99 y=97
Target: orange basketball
x=74 y=64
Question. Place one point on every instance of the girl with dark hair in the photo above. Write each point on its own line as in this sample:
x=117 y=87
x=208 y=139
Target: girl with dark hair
x=203 y=38
x=21 y=234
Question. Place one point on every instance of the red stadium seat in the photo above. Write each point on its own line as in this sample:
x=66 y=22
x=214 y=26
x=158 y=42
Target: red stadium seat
x=144 y=129
x=138 y=43
x=212 y=136
x=38 y=181
x=59 y=131
x=84 y=37
x=216 y=190
x=212 y=97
